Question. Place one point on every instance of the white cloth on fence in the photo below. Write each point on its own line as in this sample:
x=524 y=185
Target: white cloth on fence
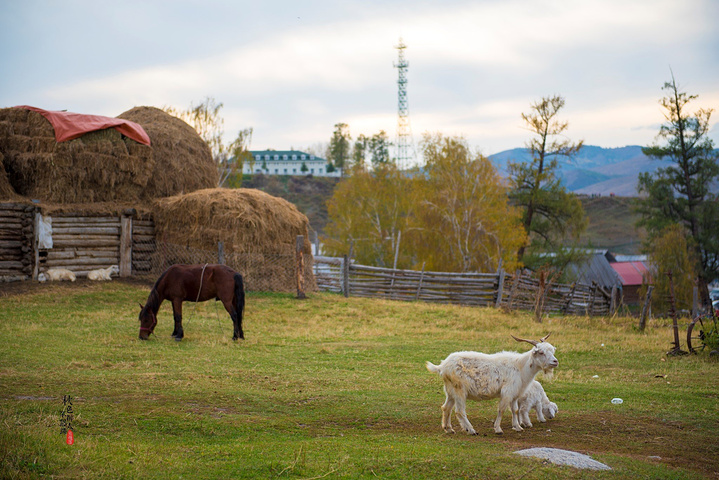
x=44 y=231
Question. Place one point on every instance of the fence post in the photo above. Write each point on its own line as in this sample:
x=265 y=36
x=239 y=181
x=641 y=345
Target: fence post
x=126 y=244
x=500 y=289
x=421 y=278
x=592 y=299
x=221 y=253
x=645 y=309
x=570 y=299
x=515 y=285
x=300 y=265
x=612 y=301
x=346 y=275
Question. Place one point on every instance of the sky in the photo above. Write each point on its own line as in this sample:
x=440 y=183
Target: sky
x=291 y=70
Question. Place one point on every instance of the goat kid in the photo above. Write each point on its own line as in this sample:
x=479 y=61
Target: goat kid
x=103 y=273
x=56 y=274
x=481 y=376
x=535 y=398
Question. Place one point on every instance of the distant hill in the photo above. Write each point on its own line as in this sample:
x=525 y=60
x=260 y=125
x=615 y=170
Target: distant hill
x=595 y=170
x=612 y=225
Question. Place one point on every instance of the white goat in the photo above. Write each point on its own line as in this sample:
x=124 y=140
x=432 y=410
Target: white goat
x=103 y=273
x=57 y=274
x=480 y=376
x=535 y=398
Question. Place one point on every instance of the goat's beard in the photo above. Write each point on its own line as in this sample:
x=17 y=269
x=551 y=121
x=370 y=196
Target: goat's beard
x=548 y=373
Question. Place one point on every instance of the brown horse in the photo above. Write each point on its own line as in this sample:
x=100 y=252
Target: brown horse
x=194 y=283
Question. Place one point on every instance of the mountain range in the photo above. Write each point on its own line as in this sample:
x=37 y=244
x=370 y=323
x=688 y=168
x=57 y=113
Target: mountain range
x=594 y=170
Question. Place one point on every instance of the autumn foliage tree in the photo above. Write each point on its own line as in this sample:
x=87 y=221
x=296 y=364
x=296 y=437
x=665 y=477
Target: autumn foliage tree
x=368 y=211
x=673 y=251
x=453 y=216
x=466 y=221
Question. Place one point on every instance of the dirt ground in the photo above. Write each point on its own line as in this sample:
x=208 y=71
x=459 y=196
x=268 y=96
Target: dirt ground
x=8 y=289
x=641 y=438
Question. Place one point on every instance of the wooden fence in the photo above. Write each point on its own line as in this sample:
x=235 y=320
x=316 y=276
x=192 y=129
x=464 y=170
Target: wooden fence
x=479 y=289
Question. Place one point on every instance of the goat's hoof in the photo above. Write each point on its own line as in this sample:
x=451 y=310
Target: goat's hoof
x=178 y=339
x=499 y=432
x=518 y=429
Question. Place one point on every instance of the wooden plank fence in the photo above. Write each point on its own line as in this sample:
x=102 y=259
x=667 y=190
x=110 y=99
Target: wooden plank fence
x=478 y=289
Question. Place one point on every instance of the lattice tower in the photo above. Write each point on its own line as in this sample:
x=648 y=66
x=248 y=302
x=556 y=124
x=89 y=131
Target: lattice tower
x=405 y=146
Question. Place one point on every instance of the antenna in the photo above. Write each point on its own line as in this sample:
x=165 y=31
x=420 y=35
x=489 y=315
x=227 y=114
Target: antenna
x=405 y=147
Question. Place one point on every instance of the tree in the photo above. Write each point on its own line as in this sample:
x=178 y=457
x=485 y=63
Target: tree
x=206 y=120
x=379 y=146
x=304 y=168
x=372 y=212
x=550 y=213
x=680 y=193
x=339 y=149
x=672 y=251
x=466 y=221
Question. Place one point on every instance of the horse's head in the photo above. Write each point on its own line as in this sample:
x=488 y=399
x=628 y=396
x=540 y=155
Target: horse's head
x=148 y=320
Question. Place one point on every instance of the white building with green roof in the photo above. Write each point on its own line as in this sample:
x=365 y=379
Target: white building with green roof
x=286 y=162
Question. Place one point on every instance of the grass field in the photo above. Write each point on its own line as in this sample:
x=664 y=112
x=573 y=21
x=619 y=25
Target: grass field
x=328 y=387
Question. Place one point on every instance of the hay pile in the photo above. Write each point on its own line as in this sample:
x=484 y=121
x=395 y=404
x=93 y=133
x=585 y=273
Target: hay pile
x=183 y=161
x=6 y=190
x=259 y=233
x=245 y=220
x=102 y=166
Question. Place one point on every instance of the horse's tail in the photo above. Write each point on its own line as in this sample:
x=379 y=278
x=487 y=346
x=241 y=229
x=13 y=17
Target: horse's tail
x=239 y=296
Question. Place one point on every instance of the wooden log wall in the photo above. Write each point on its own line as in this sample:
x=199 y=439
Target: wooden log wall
x=143 y=246
x=82 y=243
x=16 y=241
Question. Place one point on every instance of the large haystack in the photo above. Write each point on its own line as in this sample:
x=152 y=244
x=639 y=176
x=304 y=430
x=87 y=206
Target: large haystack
x=6 y=190
x=102 y=166
x=183 y=161
x=245 y=220
x=259 y=233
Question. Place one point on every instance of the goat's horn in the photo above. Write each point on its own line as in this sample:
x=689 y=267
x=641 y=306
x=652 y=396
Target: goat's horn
x=545 y=337
x=533 y=342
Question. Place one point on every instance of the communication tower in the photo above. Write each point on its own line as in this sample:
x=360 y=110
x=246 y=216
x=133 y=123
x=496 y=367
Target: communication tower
x=405 y=147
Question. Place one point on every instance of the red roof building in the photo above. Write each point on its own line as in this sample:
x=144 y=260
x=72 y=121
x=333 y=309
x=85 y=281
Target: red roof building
x=633 y=276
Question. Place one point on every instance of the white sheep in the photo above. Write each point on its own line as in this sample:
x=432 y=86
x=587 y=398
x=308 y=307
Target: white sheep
x=481 y=376
x=57 y=274
x=103 y=273
x=535 y=398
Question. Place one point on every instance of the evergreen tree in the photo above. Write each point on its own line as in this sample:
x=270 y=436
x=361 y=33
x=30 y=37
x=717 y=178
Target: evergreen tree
x=680 y=193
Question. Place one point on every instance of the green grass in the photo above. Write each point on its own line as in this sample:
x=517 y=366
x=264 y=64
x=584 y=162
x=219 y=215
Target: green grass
x=328 y=387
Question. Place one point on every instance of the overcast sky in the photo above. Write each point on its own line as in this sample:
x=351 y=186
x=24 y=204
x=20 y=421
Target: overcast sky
x=293 y=69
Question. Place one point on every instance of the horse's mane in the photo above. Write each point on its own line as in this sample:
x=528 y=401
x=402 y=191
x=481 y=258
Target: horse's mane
x=153 y=300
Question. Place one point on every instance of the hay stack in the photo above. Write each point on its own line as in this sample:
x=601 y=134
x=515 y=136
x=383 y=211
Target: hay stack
x=102 y=166
x=245 y=220
x=97 y=167
x=259 y=233
x=6 y=190
x=183 y=161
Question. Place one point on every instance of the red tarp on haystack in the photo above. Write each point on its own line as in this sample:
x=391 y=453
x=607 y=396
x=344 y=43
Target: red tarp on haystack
x=70 y=125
